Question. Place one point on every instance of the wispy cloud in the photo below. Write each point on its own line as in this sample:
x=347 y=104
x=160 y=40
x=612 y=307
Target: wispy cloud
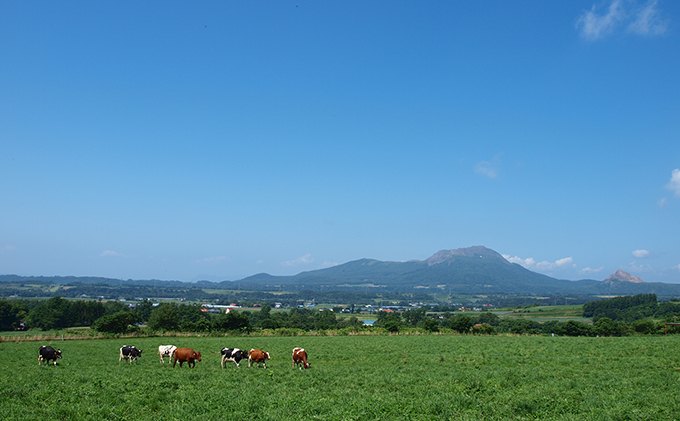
x=328 y=264
x=662 y=203
x=634 y=267
x=591 y=270
x=110 y=253
x=215 y=259
x=593 y=25
x=531 y=263
x=489 y=168
x=674 y=184
x=8 y=248
x=628 y=15
x=648 y=21
x=303 y=260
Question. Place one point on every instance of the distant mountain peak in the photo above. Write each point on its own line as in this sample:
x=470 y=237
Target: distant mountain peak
x=474 y=251
x=622 y=276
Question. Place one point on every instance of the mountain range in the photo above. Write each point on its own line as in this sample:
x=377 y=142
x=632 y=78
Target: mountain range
x=471 y=270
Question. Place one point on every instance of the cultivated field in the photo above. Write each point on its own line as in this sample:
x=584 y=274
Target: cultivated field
x=412 y=377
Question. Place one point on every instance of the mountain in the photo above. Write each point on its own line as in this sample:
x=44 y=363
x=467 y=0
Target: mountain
x=471 y=270
x=623 y=283
x=621 y=276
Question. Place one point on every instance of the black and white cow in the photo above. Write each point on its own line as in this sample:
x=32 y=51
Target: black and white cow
x=47 y=354
x=166 y=351
x=234 y=355
x=129 y=353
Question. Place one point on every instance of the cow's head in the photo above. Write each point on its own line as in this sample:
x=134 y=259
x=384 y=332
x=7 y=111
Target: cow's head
x=266 y=356
x=197 y=355
x=306 y=366
x=57 y=353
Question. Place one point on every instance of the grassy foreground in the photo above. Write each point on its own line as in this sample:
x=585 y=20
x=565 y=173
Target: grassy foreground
x=427 y=377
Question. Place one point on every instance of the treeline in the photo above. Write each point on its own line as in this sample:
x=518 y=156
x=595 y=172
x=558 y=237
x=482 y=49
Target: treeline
x=489 y=323
x=631 y=308
x=196 y=293
x=116 y=317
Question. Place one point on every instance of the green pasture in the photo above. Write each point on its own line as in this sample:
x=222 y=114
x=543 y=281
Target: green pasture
x=404 y=377
x=561 y=313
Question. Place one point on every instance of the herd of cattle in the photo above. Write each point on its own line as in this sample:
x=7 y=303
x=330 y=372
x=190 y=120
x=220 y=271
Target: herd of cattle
x=187 y=355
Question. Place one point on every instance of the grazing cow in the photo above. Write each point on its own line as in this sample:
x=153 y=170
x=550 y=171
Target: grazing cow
x=47 y=354
x=300 y=358
x=129 y=353
x=185 y=355
x=234 y=355
x=166 y=351
x=259 y=356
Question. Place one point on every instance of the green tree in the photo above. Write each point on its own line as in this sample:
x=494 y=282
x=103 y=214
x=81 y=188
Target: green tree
x=415 y=317
x=574 y=328
x=115 y=323
x=190 y=314
x=232 y=321
x=461 y=324
x=646 y=327
x=84 y=313
x=389 y=320
x=113 y=307
x=51 y=314
x=324 y=320
x=143 y=310
x=164 y=317
x=607 y=327
x=431 y=325
x=11 y=313
x=488 y=318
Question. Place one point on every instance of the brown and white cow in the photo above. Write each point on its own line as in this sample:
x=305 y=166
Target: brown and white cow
x=259 y=356
x=300 y=358
x=187 y=355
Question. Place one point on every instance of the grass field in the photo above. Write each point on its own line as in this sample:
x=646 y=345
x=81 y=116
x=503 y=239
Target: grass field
x=405 y=377
x=544 y=313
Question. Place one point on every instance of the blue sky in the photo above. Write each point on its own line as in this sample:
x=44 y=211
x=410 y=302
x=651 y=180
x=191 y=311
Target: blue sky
x=217 y=140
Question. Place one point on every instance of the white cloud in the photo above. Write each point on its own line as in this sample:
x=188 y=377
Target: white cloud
x=562 y=262
x=519 y=260
x=8 y=248
x=663 y=202
x=603 y=20
x=591 y=270
x=640 y=253
x=303 y=260
x=674 y=184
x=109 y=253
x=530 y=263
x=646 y=21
